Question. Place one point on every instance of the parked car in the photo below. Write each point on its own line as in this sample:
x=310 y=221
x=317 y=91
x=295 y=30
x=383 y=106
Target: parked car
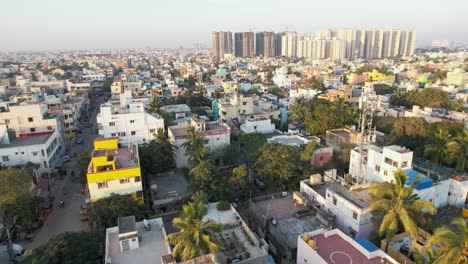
x=66 y=158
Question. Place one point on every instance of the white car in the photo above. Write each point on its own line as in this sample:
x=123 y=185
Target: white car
x=66 y=158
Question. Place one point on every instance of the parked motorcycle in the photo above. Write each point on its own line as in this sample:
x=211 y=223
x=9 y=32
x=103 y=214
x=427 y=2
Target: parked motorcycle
x=62 y=203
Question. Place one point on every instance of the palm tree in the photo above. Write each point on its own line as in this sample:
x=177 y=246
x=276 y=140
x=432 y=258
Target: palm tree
x=437 y=149
x=196 y=234
x=398 y=207
x=194 y=143
x=451 y=243
x=457 y=151
x=155 y=106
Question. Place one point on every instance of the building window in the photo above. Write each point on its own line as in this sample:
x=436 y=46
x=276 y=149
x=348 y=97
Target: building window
x=43 y=153
x=244 y=103
x=102 y=184
x=121 y=134
x=22 y=152
x=206 y=141
x=113 y=134
x=34 y=153
x=124 y=180
x=5 y=158
x=132 y=121
x=385 y=173
x=152 y=130
x=133 y=133
x=30 y=119
x=32 y=130
x=111 y=123
x=355 y=215
x=49 y=128
x=139 y=194
x=137 y=179
x=404 y=164
x=377 y=168
x=334 y=200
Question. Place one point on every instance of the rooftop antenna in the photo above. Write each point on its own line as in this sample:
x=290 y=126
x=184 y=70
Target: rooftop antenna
x=367 y=105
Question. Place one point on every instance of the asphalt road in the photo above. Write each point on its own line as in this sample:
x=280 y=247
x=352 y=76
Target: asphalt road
x=67 y=219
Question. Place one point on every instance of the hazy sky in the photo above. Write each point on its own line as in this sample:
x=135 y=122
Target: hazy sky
x=80 y=24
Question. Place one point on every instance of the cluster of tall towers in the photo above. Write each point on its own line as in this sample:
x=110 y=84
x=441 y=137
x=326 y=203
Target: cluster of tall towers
x=327 y=44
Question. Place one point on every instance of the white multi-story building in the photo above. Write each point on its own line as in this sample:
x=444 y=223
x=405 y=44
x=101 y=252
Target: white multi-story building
x=43 y=150
x=29 y=119
x=128 y=121
x=257 y=124
x=381 y=162
x=350 y=206
x=94 y=77
x=216 y=136
x=306 y=93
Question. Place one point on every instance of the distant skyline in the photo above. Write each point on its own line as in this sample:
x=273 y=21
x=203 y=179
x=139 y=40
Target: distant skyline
x=114 y=24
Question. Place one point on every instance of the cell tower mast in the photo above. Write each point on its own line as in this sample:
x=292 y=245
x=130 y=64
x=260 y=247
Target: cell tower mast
x=367 y=107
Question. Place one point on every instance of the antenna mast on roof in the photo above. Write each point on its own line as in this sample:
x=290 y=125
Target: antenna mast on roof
x=367 y=105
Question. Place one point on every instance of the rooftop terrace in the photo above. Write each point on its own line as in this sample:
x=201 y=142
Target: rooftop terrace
x=153 y=244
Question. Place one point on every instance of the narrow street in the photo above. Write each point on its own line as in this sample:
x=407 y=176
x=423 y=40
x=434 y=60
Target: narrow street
x=67 y=219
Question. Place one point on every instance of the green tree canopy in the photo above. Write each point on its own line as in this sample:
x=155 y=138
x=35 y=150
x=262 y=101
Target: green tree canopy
x=457 y=151
x=196 y=235
x=68 y=248
x=281 y=164
x=250 y=144
x=396 y=208
x=106 y=211
x=451 y=242
x=158 y=155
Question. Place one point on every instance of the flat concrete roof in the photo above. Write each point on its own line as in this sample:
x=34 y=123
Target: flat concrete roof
x=170 y=183
x=153 y=245
x=278 y=208
x=27 y=141
x=293 y=227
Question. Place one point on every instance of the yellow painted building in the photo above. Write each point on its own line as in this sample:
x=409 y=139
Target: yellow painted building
x=114 y=170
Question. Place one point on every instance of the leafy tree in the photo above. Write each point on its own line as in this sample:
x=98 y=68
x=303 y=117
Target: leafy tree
x=410 y=132
x=199 y=197
x=383 y=89
x=106 y=211
x=82 y=162
x=428 y=97
x=240 y=179
x=451 y=242
x=344 y=155
x=275 y=90
x=398 y=206
x=364 y=68
x=280 y=164
x=196 y=235
x=15 y=201
x=68 y=248
x=157 y=156
x=250 y=144
x=298 y=109
x=457 y=151
x=168 y=120
x=436 y=150
x=308 y=151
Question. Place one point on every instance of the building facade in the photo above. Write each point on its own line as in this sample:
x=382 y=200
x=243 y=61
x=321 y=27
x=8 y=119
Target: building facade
x=222 y=44
x=244 y=44
x=114 y=170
